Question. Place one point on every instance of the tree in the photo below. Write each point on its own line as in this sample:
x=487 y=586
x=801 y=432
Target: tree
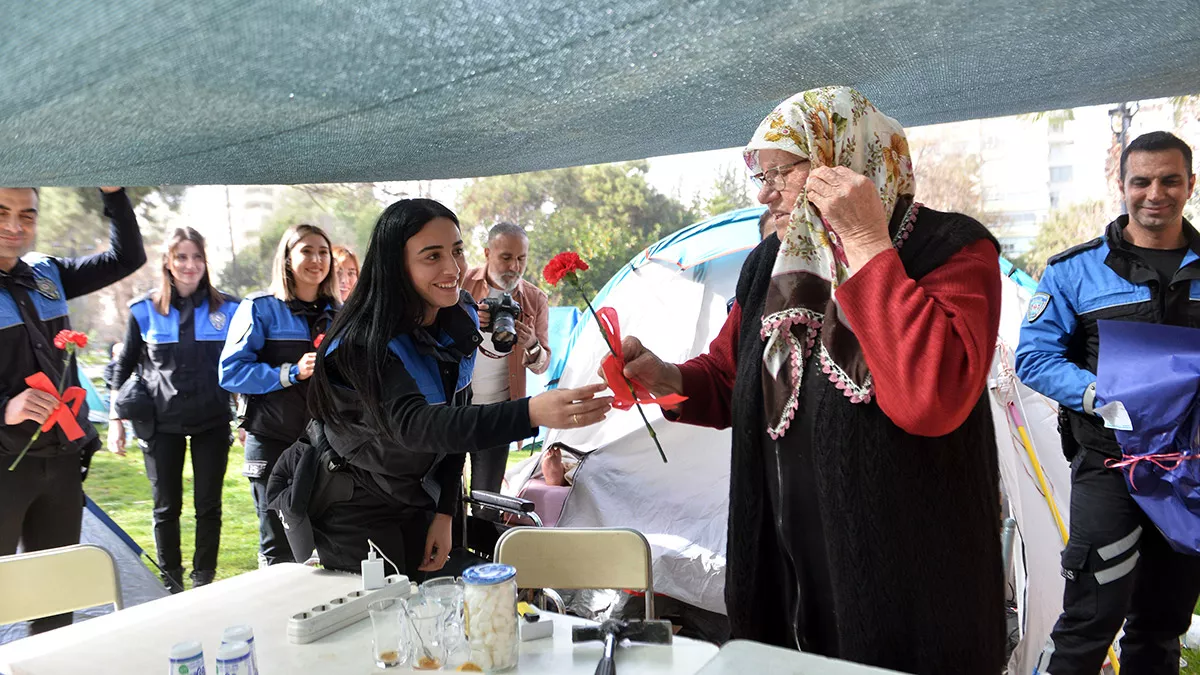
x=949 y=182
x=728 y=192
x=605 y=213
x=71 y=223
x=346 y=211
x=1063 y=229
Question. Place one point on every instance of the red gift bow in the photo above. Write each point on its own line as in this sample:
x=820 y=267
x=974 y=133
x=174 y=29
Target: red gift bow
x=614 y=368
x=67 y=409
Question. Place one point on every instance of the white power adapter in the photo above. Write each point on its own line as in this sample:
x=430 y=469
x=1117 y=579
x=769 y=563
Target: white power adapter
x=372 y=572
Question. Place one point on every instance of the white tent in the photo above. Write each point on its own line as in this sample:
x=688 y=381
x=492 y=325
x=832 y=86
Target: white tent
x=1036 y=480
x=673 y=297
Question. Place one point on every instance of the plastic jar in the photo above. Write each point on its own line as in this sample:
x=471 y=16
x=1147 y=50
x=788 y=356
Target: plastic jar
x=490 y=596
x=233 y=658
x=187 y=658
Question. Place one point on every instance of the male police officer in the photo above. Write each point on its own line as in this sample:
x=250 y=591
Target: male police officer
x=1145 y=268
x=41 y=501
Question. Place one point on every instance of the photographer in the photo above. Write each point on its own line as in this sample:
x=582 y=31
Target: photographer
x=391 y=403
x=500 y=372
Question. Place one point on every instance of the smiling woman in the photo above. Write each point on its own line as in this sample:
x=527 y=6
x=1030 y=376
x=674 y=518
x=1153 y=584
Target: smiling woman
x=391 y=403
x=269 y=358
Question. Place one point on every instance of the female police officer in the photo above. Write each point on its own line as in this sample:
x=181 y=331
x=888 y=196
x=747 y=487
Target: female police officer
x=174 y=342
x=269 y=357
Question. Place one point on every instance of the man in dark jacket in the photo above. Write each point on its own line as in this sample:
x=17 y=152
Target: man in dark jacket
x=1118 y=567
x=41 y=500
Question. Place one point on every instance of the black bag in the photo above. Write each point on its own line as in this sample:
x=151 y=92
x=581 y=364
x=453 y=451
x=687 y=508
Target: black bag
x=133 y=401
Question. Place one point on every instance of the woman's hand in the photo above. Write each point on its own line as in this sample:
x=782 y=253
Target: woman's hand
x=437 y=544
x=850 y=205
x=116 y=437
x=307 y=364
x=569 y=408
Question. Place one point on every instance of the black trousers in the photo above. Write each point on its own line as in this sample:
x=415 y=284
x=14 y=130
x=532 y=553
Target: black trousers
x=164 y=459
x=261 y=455
x=1118 y=569
x=41 y=506
x=487 y=468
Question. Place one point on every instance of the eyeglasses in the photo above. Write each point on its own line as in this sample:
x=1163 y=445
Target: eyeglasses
x=776 y=178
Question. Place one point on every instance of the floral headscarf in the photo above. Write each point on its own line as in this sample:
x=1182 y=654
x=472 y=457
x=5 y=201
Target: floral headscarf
x=830 y=126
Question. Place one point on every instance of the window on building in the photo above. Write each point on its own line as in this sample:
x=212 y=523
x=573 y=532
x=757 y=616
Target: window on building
x=1060 y=174
x=1060 y=153
x=1055 y=198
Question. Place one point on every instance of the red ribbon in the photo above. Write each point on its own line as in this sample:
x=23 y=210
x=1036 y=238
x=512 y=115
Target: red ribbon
x=67 y=409
x=614 y=369
x=1166 y=461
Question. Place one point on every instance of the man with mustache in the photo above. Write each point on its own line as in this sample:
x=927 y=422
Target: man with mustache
x=499 y=377
x=41 y=497
x=1118 y=567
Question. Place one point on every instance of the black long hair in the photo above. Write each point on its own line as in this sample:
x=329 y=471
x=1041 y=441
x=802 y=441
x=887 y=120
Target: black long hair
x=384 y=305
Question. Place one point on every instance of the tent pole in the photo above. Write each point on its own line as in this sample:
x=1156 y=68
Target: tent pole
x=1045 y=487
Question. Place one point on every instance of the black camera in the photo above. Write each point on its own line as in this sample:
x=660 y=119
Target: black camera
x=505 y=311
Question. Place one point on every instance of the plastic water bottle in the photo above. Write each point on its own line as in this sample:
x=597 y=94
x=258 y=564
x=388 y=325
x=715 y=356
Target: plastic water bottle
x=187 y=658
x=242 y=633
x=234 y=659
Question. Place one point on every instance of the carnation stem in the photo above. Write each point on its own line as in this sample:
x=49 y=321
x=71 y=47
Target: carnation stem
x=628 y=383
x=62 y=382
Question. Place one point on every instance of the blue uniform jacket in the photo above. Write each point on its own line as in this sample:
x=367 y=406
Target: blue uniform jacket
x=266 y=339
x=33 y=309
x=178 y=356
x=1103 y=279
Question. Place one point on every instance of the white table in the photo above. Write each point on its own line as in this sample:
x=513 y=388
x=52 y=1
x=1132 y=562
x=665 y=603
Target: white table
x=741 y=657
x=138 y=639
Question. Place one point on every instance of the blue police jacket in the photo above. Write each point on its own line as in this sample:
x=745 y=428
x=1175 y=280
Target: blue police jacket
x=1103 y=279
x=267 y=338
x=178 y=357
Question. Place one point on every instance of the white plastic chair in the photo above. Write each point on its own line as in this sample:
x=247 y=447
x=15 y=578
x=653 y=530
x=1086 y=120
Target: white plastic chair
x=579 y=558
x=56 y=581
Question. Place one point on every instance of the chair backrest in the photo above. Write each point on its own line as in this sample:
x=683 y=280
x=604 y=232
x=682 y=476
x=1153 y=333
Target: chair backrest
x=56 y=581
x=579 y=558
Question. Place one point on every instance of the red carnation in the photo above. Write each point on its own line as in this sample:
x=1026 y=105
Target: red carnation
x=561 y=265
x=72 y=337
x=318 y=340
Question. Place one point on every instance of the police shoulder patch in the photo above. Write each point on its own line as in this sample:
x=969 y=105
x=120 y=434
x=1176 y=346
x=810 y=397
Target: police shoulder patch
x=1037 y=304
x=47 y=288
x=217 y=319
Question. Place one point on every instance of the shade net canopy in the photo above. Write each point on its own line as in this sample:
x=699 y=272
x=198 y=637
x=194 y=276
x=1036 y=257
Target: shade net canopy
x=147 y=92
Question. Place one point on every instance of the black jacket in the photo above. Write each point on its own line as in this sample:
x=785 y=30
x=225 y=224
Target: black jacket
x=178 y=356
x=33 y=309
x=363 y=479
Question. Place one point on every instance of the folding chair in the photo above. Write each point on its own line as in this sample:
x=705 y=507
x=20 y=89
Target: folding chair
x=579 y=558
x=57 y=581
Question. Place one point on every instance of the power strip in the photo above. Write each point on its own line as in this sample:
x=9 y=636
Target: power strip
x=338 y=613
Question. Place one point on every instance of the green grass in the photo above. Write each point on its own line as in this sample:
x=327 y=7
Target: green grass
x=1192 y=657
x=119 y=485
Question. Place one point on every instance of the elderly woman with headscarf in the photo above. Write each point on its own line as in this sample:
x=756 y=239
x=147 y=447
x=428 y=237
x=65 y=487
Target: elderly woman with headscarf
x=864 y=512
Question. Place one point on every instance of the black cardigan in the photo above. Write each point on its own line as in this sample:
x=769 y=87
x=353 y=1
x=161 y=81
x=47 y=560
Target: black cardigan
x=911 y=525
